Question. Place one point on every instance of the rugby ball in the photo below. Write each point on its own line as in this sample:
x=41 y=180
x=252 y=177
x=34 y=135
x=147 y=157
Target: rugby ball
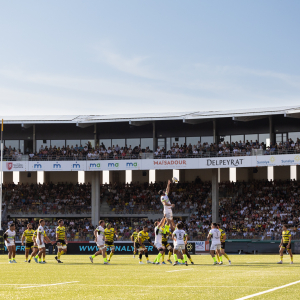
x=175 y=180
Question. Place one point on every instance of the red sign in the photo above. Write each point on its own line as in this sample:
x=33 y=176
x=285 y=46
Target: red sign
x=9 y=165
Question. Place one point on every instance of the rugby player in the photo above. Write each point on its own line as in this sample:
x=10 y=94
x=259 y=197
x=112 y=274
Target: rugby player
x=139 y=242
x=164 y=198
x=180 y=236
x=215 y=236
x=61 y=240
x=109 y=233
x=286 y=243
x=133 y=238
x=223 y=239
x=28 y=237
x=158 y=230
x=99 y=239
x=10 y=238
x=35 y=247
x=166 y=244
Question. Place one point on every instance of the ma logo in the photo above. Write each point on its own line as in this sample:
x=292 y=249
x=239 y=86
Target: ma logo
x=57 y=166
x=37 y=166
x=113 y=165
x=76 y=166
x=95 y=165
x=131 y=164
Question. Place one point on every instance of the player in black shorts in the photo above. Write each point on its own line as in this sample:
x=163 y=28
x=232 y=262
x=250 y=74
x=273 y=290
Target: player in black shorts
x=286 y=243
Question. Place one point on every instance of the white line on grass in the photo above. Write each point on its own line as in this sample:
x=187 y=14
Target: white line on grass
x=179 y=270
x=268 y=291
x=178 y=286
x=33 y=286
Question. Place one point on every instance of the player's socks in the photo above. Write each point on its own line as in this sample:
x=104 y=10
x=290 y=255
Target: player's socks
x=9 y=259
x=93 y=256
x=292 y=259
x=170 y=254
x=110 y=255
x=37 y=256
x=105 y=260
x=44 y=258
x=106 y=255
x=214 y=258
x=221 y=258
x=190 y=258
x=146 y=254
x=281 y=258
x=175 y=257
x=158 y=257
x=140 y=256
x=185 y=257
x=40 y=260
x=226 y=256
x=163 y=257
x=218 y=257
x=58 y=255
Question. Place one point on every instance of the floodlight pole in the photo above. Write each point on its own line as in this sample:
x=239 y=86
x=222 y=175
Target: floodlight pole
x=1 y=175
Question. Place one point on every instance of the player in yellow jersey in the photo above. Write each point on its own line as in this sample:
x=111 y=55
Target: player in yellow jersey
x=133 y=238
x=61 y=240
x=166 y=244
x=35 y=247
x=141 y=239
x=28 y=237
x=286 y=243
x=223 y=239
x=109 y=233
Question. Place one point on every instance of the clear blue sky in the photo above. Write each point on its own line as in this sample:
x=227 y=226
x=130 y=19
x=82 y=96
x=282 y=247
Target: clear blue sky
x=104 y=57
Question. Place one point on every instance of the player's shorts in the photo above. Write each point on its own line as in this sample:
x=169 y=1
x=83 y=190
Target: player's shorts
x=180 y=247
x=12 y=243
x=29 y=245
x=285 y=246
x=140 y=247
x=169 y=214
x=110 y=245
x=167 y=245
x=223 y=245
x=41 y=246
x=215 y=247
x=101 y=245
x=62 y=245
x=159 y=246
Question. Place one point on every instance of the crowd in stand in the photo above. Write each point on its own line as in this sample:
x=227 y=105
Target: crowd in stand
x=80 y=152
x=248 y=210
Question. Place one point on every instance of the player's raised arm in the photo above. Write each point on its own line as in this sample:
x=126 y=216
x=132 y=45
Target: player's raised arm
x=168 y=187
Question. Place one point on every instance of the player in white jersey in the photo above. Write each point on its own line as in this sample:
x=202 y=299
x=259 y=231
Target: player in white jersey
x=100 y=241
x=40 y=242
x=9 y=237
x=180 y=237
x=164 y=198
x=215 y=236
x=159 y=231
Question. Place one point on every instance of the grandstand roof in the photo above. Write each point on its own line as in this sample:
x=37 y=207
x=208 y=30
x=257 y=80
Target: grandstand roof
x=236 y=114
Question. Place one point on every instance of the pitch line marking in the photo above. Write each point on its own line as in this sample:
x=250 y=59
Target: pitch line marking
x=172 y=286
x=268 y=291
x=34 y=286
x=179 y=270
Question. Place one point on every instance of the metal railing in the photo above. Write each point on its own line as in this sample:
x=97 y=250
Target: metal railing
x=200 y=154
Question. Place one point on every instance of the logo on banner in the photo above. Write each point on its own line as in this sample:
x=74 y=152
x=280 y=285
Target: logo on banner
x=37 y=166
x=201 y=246
x=93 y=165
x=76 y=166
x=113 y=165
x=132 y=165
x=225 y=162
x=57 y=166
x=189 y=247
x=164 y=162
x=297 y=158
x=272 y=159
x=9 y=165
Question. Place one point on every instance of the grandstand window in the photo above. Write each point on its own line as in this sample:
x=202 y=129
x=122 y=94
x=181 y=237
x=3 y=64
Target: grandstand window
x=22 y=146
x=13 y=144
x=177 y=141
x=147 y=142
x=161 y=143
x=133 y=142
x=207 y=139
x=168 y=143
x=58 y=143
x=263 y=137
x=106 y=143
x=119 y=142
x=40 y=143
x=70 y=143
x=237 y=138
x=226 y=139
x=294 y=136
x=249 y=137
x=86 y=142
x=193 y=140
x=278 y=137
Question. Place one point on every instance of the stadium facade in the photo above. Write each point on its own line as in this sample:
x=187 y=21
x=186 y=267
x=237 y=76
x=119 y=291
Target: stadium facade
x=150 y=131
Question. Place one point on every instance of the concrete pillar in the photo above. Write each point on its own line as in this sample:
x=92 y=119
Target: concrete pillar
x=95 y=197
x=33 y=139
x=128 y=176
x=152 y=176
x=215 y=195
x=271 y=130
x=40 y=177
x=215 y=132
x=270 y=173
x=293 y=173
x=176 y=173
x=81 y=177
x=95 y=134
x=154 y=137
x=232 y=174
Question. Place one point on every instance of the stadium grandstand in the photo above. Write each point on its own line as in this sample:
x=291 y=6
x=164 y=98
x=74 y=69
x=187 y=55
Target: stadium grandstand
x=236 y=167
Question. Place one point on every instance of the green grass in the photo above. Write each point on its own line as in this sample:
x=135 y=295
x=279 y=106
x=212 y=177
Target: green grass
x=126 y=279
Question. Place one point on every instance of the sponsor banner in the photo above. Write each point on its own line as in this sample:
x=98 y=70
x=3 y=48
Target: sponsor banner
x=120 y=164
x=72 y=165
x=226 y=162
x=94 y=165
x=277 y=160
x=15 y=166
x=201 y=246
x=163 y=164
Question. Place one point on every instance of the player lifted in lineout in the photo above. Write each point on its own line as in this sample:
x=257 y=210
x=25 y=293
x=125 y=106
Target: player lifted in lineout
x=164 y=198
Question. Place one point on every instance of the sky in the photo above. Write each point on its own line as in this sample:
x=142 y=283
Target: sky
x=120 y=57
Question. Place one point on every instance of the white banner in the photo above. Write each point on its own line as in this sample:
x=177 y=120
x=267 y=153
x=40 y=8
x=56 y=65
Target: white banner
x=155 y=164
x=201 y=246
